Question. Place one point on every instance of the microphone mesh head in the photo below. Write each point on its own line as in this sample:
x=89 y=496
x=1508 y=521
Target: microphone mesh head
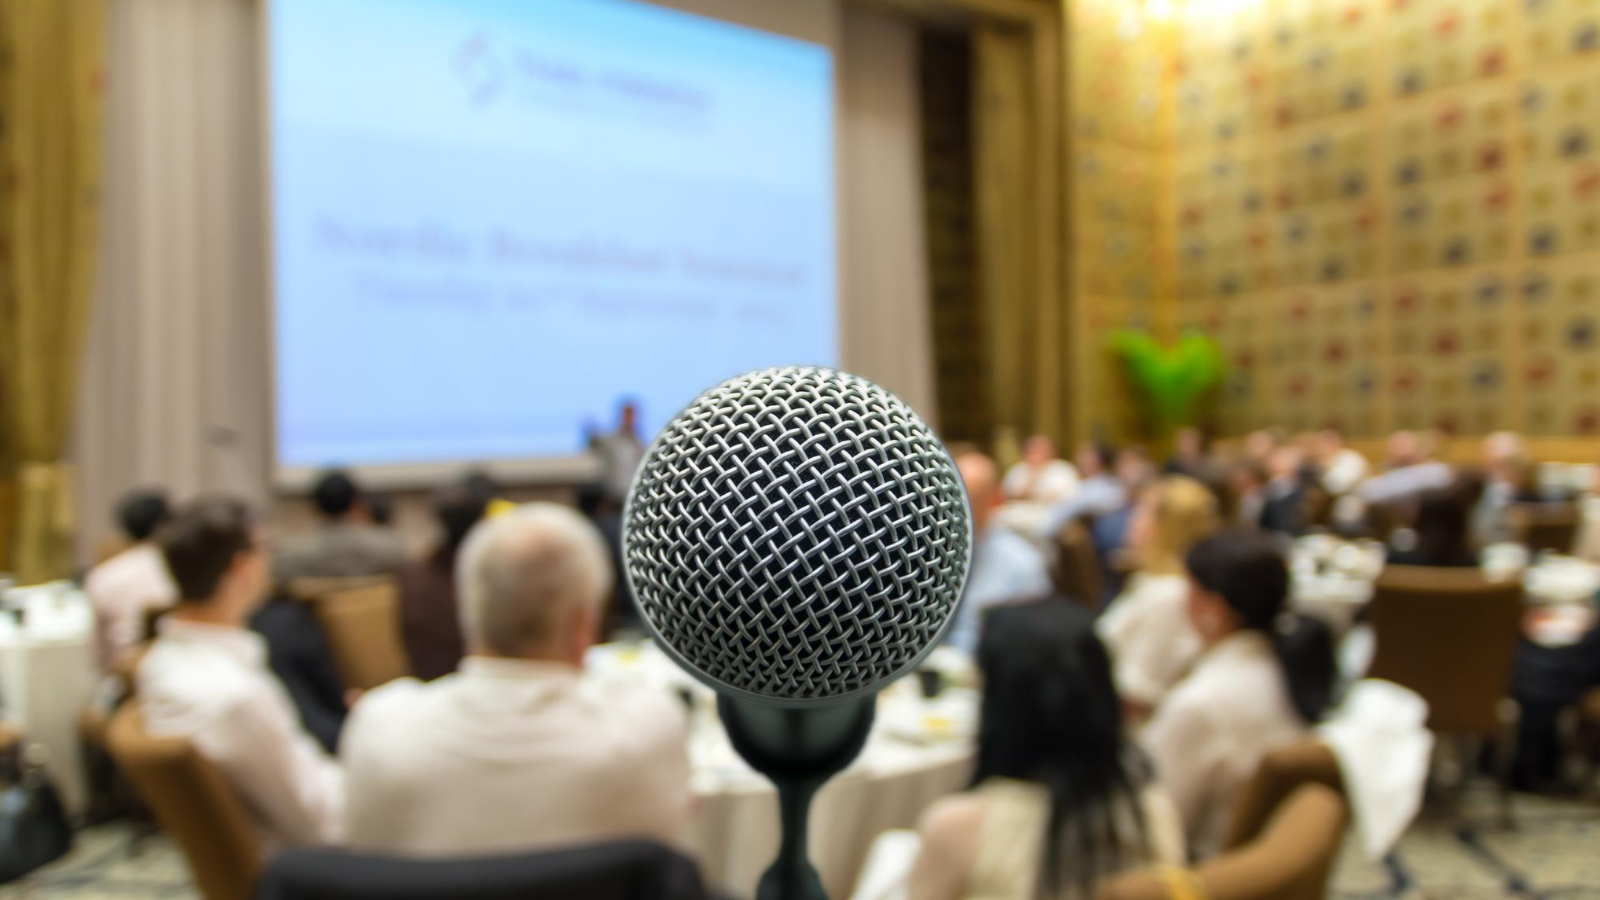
x=797 y=534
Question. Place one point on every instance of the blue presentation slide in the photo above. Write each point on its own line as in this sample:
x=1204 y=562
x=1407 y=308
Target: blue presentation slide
x=494 y=219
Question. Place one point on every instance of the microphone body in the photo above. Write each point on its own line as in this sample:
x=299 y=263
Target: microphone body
x=796 y=539
x=798 y=750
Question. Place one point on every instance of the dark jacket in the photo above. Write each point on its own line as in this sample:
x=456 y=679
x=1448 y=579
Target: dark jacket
x=297 y=652
x=429 y=622
x=1284 y=512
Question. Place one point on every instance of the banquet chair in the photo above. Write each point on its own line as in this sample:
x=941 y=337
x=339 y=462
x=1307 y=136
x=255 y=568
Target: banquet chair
x=1282 y=772
x=1451 y=635
x=361 y=619
x=1077 y=570
x=1291 y=859
x=622 y=870
x=1549 y=527
x=192 y=802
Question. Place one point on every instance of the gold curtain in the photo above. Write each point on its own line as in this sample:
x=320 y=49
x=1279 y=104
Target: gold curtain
x=1017 y=168
x=51 y=85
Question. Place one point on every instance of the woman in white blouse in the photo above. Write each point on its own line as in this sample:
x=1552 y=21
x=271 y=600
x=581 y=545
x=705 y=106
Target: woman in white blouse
x=1147 y=627
x=1060 y=799
x=1264 y=678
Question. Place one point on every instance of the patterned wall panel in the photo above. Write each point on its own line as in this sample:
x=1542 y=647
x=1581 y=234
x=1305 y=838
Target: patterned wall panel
x=1389 y=212
x=1560 y=364
x=1121 y=143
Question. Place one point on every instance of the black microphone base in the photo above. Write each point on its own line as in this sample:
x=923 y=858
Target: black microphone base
x=798 y=750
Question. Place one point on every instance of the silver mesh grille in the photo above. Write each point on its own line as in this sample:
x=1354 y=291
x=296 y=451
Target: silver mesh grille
x=797 y=534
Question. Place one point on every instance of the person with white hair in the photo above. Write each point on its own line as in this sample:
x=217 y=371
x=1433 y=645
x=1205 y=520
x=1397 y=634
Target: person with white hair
x=516 y=751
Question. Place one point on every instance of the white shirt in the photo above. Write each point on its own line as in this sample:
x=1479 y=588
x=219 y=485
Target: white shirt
x=1406 y=482
x=1005 y=569
x=1209 y=735
x=122 y=590
x=1152 y=643
x=1055 y=481
x=1345 y=472
x=210 y=684
x=513 y=755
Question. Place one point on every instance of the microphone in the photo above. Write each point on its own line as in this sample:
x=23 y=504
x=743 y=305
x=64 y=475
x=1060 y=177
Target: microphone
x=797 y=538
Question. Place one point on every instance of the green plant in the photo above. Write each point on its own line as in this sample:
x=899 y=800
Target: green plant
x=1172 y=380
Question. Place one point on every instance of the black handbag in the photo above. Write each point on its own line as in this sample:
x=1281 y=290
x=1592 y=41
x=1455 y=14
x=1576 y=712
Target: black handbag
x=33 y=824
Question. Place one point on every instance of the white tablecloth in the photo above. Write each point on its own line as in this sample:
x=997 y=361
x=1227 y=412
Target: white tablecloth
x=1333 y=580
x=919 y=751
x=47 y=676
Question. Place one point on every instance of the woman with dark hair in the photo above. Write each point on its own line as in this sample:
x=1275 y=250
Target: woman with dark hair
x=1265 y=676
x=1060 y=799
x=1441 y=533
x=429 y=623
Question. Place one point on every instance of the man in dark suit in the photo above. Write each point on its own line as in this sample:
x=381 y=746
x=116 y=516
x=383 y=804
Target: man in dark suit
x=1284 y=508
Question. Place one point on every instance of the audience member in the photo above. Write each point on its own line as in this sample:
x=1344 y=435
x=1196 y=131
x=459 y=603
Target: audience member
x=482 y=484
x=1547 y=681
x=1284 y=498
x=380 y=509
x=620 y=453
x=1259 y=444
x=1507 y=481
x=516 y=751
x=1439 y=536
x=1247 y=483
x=1005 y=567
x=1134 y=473
x=299 y=655
x=126 y=588
x=205 y=679
x=1060 y=798
x=1191 y=456
x=1342 y=468
x=623 y=607
x=1099 y=491
x=1146 y=628
x=1039 y=477
x=430 y=623
x=1263 y=678
x=346 y=546
x=1110 y=528
x=1410 y=471
x=1589 y=531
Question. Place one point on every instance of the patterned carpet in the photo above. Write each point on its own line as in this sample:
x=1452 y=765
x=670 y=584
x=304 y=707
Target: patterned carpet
x=1554 y=852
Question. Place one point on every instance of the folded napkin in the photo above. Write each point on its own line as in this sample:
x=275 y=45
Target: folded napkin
x=1381 y=739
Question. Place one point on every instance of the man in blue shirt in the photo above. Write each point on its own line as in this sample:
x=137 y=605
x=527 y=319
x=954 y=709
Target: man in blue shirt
x=1100 y=492
x=1005 y=567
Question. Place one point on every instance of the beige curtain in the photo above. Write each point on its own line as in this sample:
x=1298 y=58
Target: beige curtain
x=175 y=390
x=1017 y=165
x=884 y=321
x=51 y=81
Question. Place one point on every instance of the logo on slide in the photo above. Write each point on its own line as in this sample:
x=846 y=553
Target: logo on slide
x=479 y=69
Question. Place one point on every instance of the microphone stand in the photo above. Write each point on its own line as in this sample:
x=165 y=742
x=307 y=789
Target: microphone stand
x=798 y=750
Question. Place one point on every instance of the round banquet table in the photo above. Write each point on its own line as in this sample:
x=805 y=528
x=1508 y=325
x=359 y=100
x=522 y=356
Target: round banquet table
x=47 y=676
x=1334 y=580
x=919 y=750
